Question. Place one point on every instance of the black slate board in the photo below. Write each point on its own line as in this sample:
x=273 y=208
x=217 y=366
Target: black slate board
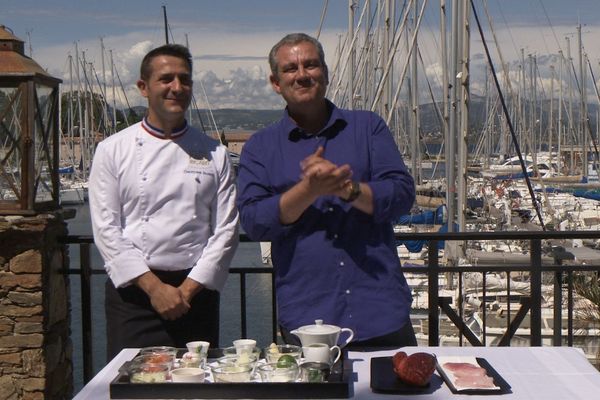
x=490 y=371
x=385 y=380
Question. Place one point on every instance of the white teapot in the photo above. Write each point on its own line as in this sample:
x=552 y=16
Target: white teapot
x=322 y=333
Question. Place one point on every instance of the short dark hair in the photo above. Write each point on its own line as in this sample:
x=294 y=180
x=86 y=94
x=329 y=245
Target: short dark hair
x=292 y=39
x=175 y=50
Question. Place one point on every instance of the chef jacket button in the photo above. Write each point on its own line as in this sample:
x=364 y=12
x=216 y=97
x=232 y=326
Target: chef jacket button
x=147 y=257
x=347 y=291
x=330 y=209
x=145 y=218
x=341 y=263
x=144 y=178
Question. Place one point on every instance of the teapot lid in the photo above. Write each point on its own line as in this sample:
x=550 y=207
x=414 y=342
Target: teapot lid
x=319 y=328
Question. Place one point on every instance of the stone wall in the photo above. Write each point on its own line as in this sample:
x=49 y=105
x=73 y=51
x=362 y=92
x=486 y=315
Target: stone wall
x=35 y=346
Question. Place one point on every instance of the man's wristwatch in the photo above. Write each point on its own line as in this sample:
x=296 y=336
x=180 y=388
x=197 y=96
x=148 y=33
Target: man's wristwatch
x=354 y=192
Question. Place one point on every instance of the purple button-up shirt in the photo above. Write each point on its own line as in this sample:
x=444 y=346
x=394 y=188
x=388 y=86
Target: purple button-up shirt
x=335 y=263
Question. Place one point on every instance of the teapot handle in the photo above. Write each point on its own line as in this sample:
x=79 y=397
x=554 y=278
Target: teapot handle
x=350 y=336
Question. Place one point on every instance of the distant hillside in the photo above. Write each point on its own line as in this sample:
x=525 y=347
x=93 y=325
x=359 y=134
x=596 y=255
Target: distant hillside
x=247 y=120
x=230 y=119
x=252 y=120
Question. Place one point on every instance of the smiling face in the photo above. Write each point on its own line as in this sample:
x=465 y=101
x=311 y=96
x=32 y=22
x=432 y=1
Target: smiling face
x=168 y=90
x=301 y=77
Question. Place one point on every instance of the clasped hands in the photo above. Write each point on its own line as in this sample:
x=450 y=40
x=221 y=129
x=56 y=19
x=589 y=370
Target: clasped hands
x=171 y=302
x=324 y=177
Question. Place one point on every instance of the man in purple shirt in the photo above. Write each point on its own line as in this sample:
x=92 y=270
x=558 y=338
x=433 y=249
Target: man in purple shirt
x=323 y=185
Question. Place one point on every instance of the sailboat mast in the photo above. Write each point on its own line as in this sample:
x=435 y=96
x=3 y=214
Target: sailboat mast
x=352 y=55
x=166 y=24
x=464 y=114
x=114 y=97
x=414 y=98
x=582 y=106
x=450 y=139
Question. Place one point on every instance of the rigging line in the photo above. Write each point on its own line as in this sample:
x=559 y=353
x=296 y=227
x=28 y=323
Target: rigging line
x=587 y=125
x=541 y=35
x=550 y=24
x=347 y=51
x=198 y=114
x=438 y=112
x=413 y=44
x=598 y=96
x=534 y=201
x=323 y=13
x=512 y=39
x=503 y=65
x=131 y=110
x=386 y=71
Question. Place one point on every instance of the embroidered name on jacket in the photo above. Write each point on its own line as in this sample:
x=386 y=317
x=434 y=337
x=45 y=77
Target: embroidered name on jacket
x=198 y=165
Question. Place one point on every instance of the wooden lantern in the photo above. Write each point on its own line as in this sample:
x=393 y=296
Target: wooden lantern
x=29 y=132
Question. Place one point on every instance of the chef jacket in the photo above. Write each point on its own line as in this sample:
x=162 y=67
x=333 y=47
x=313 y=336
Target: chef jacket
x=163 y=203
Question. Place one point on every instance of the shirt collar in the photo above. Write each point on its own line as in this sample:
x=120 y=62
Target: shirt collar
x=335 y=123
x=159 y=133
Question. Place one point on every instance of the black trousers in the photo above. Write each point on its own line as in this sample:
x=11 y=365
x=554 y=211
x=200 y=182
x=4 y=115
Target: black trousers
x=405 y=336
x=131 y=321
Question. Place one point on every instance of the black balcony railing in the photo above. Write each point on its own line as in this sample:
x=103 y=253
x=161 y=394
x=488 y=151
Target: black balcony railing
x=563 y=281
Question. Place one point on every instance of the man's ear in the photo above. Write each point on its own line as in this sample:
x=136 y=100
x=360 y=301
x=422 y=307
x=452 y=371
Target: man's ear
x=275 y=84
x=141 y=84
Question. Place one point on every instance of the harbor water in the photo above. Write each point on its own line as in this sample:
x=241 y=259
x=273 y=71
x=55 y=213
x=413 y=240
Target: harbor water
x=258 y=294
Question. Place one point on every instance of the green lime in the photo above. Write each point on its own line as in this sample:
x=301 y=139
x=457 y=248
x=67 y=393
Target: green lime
x=286 y=361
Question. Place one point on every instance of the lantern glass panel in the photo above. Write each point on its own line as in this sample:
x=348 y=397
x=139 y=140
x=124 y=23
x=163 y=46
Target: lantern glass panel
x=44 y=142
x=11 y=117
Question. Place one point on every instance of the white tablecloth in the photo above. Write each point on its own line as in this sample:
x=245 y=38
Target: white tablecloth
x=547 y=373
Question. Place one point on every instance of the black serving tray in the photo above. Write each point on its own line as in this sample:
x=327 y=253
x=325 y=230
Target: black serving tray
x=337 y=386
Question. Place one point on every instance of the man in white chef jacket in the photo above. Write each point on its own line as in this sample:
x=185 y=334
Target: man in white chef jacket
x=162 y=201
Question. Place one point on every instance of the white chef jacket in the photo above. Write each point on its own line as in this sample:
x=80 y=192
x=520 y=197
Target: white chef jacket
x=166 y=204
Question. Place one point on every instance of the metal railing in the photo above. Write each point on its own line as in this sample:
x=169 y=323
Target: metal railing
x=532 y=304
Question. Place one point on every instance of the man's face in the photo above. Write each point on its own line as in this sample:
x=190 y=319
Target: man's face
x=168 y=90
x=301 y=77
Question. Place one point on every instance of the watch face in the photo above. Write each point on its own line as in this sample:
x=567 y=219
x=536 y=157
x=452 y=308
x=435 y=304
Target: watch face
x=354 y=192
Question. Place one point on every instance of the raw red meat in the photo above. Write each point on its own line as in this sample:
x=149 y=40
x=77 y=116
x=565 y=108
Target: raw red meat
x=415 y=369
x=464 y=369
x=469 y=375
x=479 y=382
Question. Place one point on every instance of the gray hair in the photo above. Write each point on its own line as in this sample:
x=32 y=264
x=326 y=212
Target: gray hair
x=292 y=39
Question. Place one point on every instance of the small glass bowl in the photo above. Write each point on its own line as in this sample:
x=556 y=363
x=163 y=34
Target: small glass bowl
x=232 y=351
x=153 y=359
x=314 y=371
x=165 y=352
x=231 y=373
x=273 y=352
x=241 y=360
x=271 y=373
x=148 y=373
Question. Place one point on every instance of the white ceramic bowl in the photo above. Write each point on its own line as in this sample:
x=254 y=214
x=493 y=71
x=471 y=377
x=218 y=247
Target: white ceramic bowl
x=187 y=375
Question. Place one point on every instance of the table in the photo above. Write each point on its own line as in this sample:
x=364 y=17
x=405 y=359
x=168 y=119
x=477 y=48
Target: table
x=533 y=373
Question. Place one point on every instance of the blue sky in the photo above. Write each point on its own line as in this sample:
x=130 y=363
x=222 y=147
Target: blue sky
x=230 y=38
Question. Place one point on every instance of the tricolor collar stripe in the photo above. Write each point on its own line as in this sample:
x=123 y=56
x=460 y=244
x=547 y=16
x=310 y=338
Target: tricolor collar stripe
x=159 y=133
